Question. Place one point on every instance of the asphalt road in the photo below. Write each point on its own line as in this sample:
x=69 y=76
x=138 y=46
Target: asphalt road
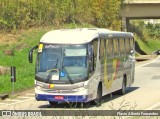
x=143 y=94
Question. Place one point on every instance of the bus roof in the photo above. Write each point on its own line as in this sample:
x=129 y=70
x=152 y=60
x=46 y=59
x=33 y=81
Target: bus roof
x=79 y=36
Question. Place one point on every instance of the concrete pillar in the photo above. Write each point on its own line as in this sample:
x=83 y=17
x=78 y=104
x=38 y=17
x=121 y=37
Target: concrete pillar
x=127 y=24
x=124 y=24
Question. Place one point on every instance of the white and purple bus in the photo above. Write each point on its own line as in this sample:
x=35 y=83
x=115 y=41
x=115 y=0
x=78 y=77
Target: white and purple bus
x=82 y=65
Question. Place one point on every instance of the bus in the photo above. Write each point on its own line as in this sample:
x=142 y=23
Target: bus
x=82 y=65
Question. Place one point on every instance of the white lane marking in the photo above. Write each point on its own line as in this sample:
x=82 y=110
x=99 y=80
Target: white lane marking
x=148 y=62
x=30 y=94
x=157 y=60
x=6 y=104
x=153 y=106
x=24 y=97
x=12 y=100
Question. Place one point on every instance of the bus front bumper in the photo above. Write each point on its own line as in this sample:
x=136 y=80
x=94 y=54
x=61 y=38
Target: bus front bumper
x=61 y=98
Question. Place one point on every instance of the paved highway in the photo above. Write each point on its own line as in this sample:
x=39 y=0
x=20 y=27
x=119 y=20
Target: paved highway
x=143 y=94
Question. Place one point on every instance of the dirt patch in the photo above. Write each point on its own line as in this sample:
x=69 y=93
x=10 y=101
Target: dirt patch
x=8 y=38
x=9 y=52
x=4 y=70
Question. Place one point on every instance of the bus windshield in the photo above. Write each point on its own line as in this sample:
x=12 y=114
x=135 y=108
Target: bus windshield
x=62 y=63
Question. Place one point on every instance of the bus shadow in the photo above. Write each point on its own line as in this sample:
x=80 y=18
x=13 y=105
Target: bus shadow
x=115 y=95
x=105 y=99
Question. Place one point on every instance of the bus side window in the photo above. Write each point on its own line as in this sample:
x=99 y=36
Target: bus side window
x=102 y=49
x=127 y=43
x=105 y=50
x=91 y=57
x=122 y=46
x=116 y=46
x=109 y=47
x=132 y=43
x=95 y=51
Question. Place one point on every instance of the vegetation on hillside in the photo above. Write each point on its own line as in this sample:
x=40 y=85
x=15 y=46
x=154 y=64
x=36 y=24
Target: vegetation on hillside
x=147 y=35
x=24 y=70
x=154 y=30
x=22 y=14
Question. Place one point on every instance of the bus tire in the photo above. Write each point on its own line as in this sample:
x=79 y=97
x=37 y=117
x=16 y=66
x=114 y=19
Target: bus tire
x=122 y=91
x=97 y=101
x=53 y=103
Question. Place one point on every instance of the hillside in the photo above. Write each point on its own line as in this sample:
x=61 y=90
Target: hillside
x=20 y=44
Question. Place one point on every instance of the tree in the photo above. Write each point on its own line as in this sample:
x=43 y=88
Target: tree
x=21 y=14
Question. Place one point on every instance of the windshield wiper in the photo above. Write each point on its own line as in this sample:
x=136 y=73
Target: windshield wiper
x=56 y=63
x=53 y=70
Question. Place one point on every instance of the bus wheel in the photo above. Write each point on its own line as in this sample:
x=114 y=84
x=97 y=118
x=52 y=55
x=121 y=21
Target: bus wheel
x=97 y=101
x=122 y=91
x=53 y=103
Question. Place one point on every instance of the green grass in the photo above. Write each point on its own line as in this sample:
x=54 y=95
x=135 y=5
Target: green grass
x=24 y=70
x=149 y=46
x=154 y=45
x=143 y=45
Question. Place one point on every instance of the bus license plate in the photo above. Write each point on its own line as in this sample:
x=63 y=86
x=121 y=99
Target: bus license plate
x=59 y=97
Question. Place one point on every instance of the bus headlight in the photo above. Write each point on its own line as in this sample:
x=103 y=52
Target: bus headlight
x=83 y=85
x=39 y=84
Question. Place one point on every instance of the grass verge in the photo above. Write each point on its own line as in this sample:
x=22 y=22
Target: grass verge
x=149 y=46
x=24 y=70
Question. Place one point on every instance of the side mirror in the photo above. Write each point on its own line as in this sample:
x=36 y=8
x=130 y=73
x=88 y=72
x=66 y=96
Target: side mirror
x=30 y=55
x=132 y=52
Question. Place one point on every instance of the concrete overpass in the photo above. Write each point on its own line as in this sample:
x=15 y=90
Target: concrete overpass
x=139 y=9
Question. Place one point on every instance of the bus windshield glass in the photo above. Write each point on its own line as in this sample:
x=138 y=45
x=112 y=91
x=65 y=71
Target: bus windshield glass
x=62 y=63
